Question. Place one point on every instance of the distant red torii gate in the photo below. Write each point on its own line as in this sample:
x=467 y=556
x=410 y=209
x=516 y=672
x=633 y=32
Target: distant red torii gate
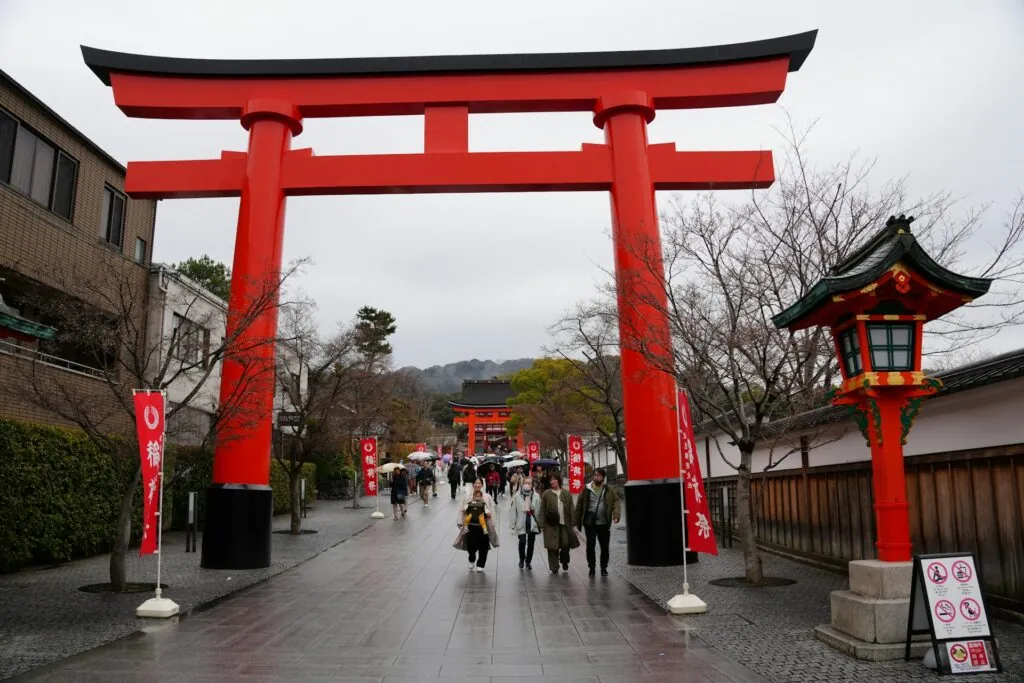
x=272 y=97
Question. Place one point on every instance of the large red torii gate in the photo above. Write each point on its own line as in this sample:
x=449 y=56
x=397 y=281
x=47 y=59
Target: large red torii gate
x=272 y=97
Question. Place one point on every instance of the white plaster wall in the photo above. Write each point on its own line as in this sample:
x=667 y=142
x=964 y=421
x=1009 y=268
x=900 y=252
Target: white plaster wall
x=186 y=298
x=977 y=418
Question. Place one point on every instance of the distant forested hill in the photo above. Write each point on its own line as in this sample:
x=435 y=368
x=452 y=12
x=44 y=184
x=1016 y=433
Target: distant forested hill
x=447 y=379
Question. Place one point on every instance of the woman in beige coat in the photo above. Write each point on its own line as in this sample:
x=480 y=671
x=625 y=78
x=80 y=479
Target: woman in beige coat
x=557 y=518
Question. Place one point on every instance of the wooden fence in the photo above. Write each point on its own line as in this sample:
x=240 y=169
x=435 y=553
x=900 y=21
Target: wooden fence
x=969 y=501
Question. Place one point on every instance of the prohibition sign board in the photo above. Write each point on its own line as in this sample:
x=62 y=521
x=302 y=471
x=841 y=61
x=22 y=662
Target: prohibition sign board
x=953 y=613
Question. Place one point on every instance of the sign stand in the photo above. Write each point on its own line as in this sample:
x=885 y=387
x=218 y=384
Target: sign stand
x=946 y=603
x=159 y=606
x=686 y=602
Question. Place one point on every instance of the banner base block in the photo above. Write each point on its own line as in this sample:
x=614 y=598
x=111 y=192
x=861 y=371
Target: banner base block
x=157 y=608
x=377 y=515
x=238 y=526
x=687 y=603
x=654 y=528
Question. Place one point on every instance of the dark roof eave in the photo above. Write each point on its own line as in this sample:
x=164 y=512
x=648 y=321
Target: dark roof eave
x=104 y=62
x=456 y=404
x=48 y=111
x=1002 y=368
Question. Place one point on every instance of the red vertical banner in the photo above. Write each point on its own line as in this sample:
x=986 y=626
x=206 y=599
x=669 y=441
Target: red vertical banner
x=368 y=457
x=421 y=447
x=533 y=452
x=575 y=464
x=699 y=532
x=149 y=424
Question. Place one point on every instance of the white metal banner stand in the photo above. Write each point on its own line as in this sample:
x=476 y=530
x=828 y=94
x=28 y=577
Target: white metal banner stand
x=686 y=602
x=159 y=607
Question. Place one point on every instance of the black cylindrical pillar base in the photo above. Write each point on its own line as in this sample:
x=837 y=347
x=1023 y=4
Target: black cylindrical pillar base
x=654 y=525
x=237 y=529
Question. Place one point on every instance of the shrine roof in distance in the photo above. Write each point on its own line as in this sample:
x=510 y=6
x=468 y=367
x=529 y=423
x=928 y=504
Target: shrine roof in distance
x=796 y=47
x=489 y=393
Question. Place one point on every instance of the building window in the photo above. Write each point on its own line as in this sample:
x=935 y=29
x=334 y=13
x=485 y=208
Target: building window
x=892 y=346
x=112 y=221
x=140 y=250
x=34 y=167
x=849 y=346
x=190 y=342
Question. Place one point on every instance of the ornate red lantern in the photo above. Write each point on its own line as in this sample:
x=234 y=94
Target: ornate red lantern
x=876 y=303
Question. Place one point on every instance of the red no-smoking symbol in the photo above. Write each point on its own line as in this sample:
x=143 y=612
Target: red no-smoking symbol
x=962 y=571
x=945 y=611
x=970 y=608
x=937 y=572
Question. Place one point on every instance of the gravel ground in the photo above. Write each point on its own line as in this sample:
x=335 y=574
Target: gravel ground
x=771 y=630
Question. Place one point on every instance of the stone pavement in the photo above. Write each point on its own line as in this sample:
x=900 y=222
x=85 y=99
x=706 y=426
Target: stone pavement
x=770 y=630
x=44 y=617
x=397 y=603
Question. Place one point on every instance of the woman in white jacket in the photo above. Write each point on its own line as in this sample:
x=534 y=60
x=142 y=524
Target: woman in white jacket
x=525 y=508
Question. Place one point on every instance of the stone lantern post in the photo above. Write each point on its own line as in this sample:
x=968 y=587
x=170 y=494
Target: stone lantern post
x=875 y=304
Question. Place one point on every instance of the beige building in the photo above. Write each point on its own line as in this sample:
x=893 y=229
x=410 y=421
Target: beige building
x=66 y=230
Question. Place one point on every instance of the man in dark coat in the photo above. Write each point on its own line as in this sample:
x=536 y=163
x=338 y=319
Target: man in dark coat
x=454 y=478
x=597 y=509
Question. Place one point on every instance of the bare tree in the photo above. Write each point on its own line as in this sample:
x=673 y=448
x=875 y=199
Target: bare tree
x=729 y=268
x=110 y=333
x=588 y=338
x=315 y=374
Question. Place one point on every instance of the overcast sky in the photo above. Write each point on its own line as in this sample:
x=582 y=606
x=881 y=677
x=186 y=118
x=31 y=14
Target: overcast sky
x=932 y=89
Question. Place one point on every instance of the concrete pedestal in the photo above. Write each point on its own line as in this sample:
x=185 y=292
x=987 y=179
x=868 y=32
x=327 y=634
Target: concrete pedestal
x=869 y=621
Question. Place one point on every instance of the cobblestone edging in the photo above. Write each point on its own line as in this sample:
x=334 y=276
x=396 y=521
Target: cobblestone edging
x=770 y=630
x=45 y=618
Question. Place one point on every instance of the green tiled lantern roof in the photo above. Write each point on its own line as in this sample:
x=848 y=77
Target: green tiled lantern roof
x=893 y=244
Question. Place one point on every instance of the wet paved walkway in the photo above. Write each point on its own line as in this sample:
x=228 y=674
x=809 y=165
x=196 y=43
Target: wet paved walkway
x=398 y=603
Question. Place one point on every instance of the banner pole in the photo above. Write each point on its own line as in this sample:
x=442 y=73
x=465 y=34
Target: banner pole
x=160 y=502
x=687 y=602
x=376 y=474
x=159 y=606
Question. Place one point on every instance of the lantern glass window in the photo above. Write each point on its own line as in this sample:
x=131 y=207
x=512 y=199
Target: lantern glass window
x=892 y=346
x=849 y=346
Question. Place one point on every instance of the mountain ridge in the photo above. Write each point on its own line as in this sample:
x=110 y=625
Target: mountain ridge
x=448 y=378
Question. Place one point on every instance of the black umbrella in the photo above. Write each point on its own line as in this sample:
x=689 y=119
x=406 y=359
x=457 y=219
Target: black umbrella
x=545 y=462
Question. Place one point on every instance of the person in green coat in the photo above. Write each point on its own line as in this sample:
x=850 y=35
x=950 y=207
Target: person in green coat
x=557 y=522
x=597 y=509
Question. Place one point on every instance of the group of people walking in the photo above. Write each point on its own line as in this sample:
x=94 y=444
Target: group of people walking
x=537 y=508
x=401 y=482
x=550 y=514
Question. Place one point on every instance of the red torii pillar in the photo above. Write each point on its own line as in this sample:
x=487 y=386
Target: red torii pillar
x=271 y=98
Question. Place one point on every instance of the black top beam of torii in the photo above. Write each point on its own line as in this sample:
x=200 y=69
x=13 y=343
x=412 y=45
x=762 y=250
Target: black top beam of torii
x=796 y=47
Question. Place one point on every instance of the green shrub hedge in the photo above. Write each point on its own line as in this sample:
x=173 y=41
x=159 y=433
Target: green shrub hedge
x=59 y=494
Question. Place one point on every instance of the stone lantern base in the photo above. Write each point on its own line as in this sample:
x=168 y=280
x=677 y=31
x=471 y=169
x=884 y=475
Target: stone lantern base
x=869 y=621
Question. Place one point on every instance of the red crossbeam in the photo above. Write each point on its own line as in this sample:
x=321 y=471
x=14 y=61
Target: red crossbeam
x=691 y=87
x=586 y=170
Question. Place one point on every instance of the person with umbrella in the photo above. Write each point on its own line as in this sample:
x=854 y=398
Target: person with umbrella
x=454 y=479
x=399 y=491
x=425 y=480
